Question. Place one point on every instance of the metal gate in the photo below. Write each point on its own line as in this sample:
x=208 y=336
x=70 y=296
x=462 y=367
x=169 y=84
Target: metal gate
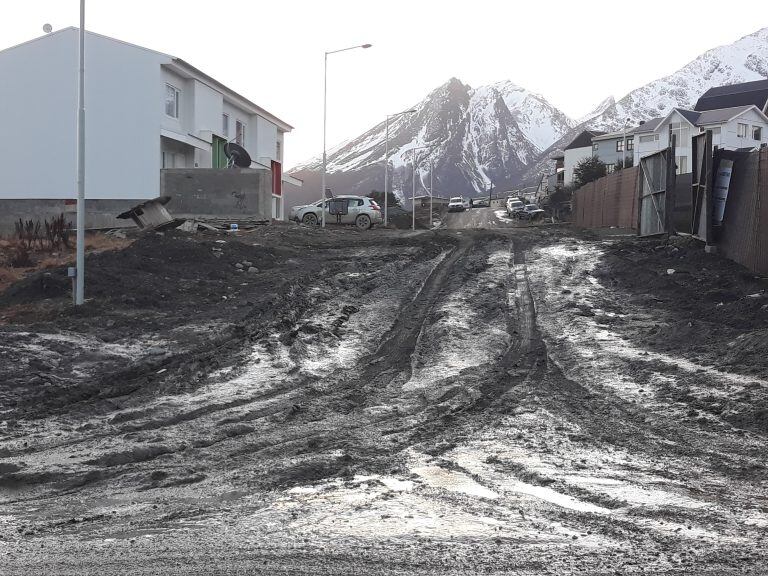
x=701 y=187
x=657 y=184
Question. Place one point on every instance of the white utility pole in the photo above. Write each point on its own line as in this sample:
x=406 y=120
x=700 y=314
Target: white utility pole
x=386 y=161
x=431 y=190
x=80 y=257
x=413 y=186
x=624 y=152
x=325 y=117
x=413 y=191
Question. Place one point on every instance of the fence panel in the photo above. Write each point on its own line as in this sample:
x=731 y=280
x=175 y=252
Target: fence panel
x=608 y=201
x=742 y=236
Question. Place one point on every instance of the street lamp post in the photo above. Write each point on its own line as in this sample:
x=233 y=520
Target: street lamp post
x=80 y=255
x=624 y=151
x=413 y=184
x=431 y=190
x=325 y=118
x=386 y=159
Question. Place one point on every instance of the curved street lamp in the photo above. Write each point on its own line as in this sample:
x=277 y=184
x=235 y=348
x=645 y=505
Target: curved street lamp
x=325 y=116
x=413 y=182
x=386 y=158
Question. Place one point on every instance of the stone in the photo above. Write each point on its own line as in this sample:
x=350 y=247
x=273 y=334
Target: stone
x=239 y=266
x=253 y=270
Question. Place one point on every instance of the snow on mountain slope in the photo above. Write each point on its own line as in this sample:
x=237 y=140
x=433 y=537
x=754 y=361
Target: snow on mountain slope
x=599 y=110
x=541 y=122
x=504 y=134
x=474 y=138
x=743 y=61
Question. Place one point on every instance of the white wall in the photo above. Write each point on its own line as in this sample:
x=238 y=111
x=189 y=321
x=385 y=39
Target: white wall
x=125 y=113
x=266 y=133
x=573 y=157
x=38 y=111
x=729 y=138
x=38 y=115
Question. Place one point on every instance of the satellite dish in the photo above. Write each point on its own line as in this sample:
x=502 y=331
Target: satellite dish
x=47 y=28
x=238 y=156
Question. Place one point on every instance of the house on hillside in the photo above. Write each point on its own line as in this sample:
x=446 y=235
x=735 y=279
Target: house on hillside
x=735 y=95
x=556 y=179
x=740 y=127
x=614 y=149
x=145 y=111
x=578 y=149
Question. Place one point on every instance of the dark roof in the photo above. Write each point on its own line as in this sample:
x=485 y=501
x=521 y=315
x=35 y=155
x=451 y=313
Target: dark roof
x=691 y=115
x=721 y=115
x=584 y=139
x=649 y=125
x=734 y=95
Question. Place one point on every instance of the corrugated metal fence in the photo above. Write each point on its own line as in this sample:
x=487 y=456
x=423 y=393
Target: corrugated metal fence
x=743 y=236
x=609 y=201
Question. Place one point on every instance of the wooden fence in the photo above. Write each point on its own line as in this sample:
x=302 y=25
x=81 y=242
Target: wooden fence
x=609 y=201
x=743 y=237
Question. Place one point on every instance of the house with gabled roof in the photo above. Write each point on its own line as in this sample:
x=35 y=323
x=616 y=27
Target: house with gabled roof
x=578 y=149
x=734 y=128
x=145 y=111
x=735 y=95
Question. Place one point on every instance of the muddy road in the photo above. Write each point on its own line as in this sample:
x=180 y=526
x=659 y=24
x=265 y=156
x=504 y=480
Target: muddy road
x=463 y=401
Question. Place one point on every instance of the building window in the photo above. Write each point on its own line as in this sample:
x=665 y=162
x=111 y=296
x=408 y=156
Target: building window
x=279 y=151
x=595 y=147
x=620 y=145
x=680 y=132
x=171 y=101
x=240 y=133
x=682 y=164
x=225 y=124
x=757 y=133
x=609 y=168
x=630 y=143
x=648 y=138
x=741 y=130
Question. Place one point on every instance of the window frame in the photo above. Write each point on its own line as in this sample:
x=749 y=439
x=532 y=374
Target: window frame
x=757 y=130
x=240 y=127
x=620 y=145
x=176 y=100
x=225 y=124
x=739 y=130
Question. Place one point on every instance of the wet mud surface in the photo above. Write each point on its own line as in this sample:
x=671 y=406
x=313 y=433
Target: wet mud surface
x=464 y=401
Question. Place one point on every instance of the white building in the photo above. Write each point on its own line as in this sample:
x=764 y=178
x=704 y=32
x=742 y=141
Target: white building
x=579 y=148
x=145 y=110
x=740 y=127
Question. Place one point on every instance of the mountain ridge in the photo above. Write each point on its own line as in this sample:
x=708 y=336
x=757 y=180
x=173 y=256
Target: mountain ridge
x=502 y=134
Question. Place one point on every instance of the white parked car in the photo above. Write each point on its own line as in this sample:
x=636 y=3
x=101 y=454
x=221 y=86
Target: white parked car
x=458 y=204
x=359 y=211
x=514 y=206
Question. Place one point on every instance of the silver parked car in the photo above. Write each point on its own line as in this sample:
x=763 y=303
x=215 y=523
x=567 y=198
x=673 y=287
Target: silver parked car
x=359 y=211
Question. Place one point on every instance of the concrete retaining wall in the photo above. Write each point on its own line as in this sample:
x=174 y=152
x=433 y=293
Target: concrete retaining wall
x=236 y=194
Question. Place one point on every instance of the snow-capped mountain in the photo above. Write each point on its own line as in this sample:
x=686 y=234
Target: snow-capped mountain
x=475 y=137
x=599 y=110
x=504 y=134
x=743 y=61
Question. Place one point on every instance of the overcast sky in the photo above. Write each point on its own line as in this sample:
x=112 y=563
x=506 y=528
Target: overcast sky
x=573 y=53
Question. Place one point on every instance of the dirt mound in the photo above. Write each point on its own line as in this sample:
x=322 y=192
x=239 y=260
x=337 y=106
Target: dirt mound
x=153 y=269
x=677 y=275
